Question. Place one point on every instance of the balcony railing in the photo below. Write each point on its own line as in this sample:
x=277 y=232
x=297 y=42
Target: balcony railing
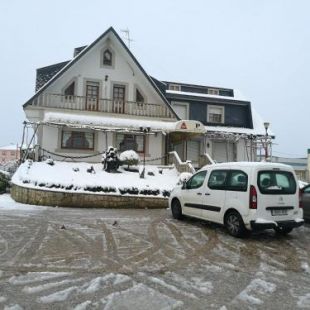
x=82 y=103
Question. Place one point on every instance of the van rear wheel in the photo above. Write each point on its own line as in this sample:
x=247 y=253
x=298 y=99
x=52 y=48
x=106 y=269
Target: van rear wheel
x=176 y=209
x=234 y=224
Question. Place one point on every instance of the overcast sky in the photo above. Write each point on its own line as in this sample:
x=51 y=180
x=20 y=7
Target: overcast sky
x=261 y=47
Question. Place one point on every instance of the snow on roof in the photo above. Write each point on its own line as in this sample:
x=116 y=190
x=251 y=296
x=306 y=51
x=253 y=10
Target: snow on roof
x=258 y=127
x=108 y=123
x=105 y=122
x=237 y=95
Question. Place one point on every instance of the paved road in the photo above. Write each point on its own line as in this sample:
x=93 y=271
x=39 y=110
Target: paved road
x=144 y=259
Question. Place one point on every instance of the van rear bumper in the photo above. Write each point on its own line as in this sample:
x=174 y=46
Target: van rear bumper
x=271 y=225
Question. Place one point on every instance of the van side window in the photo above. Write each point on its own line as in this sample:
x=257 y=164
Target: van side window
x=237 y=181
x=196 y=180
x=217 y=179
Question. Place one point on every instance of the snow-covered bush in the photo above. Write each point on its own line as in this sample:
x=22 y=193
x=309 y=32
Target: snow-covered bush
x=184 y=177
x=110 y=160
x=4 y=181
x=129 y=158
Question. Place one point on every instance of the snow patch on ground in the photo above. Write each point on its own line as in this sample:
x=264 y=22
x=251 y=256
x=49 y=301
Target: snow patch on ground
x=83 y=306
x=13 y=307
x=305 y=267
x=36 y=276
x=139 y=297
x=304 y=301
x=2 y=299
x=95 y=284
x=256 y=287
x=196 y=283
x=7 y=203
x=58 y=296
x=47 y=286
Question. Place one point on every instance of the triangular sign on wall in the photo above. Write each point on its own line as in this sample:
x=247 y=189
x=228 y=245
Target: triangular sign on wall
x=183 y=126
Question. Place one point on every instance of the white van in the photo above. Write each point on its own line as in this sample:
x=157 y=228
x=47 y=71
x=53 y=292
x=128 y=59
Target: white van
x=242 y=196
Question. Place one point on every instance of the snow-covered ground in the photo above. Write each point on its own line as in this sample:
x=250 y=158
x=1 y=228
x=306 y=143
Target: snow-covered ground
x=56 y=258
x=73 y=177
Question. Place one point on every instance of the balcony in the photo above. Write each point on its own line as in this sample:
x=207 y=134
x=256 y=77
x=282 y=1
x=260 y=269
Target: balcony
x=93 y=104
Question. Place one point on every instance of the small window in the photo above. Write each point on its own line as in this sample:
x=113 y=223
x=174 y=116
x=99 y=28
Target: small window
x=69 y=91
x=276 y=182
x=77 y=140
x=306 y=190
x=12 y=153
x=215 y=114
x=125 y=142
x=217 y=179
x=175 y=87
x=107 y=58
x=139 y=97
x=237 y=181
x=213 y=91
x=196 y=180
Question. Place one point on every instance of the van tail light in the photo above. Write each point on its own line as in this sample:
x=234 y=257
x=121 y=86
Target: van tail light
x=300 y=200
x=253 y=197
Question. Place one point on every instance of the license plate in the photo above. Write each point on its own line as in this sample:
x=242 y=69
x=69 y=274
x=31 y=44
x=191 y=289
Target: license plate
x=279 y=212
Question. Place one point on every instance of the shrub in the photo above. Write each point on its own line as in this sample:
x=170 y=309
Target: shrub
x=4 y=182
x=129 y=158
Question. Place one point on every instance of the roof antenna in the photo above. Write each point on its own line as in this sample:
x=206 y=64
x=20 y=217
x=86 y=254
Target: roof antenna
x=127 y=36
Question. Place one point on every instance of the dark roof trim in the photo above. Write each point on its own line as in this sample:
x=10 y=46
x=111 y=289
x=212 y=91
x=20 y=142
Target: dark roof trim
x=207 y=99
x=83 y=52
x=196 y=85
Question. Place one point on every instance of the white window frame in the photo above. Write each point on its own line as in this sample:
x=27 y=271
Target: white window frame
x=216 y=107
x=175 y=87
x=184 y=104
x=213 y=91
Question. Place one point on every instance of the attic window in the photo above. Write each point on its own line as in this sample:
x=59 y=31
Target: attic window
x=139 y=97
x=69 y=91
x=213 y=91
x=175 y=87
x=216 y=114
x=107 y=58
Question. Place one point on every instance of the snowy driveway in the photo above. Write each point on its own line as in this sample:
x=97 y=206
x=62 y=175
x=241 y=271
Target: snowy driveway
x=143 y=259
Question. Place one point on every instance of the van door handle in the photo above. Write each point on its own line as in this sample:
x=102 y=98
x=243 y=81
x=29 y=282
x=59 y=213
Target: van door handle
x=207 y=194
x=199 y=194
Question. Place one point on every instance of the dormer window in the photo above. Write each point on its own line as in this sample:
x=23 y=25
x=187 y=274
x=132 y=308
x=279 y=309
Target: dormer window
x=139 y=97
x=107 y=58
x=175 y=87
x=213 y=91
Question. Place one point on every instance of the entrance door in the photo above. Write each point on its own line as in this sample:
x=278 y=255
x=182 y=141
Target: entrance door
x=92 y=96
x=192 y=152
x=118 y=98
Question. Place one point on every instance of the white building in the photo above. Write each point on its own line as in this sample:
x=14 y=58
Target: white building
x=104 y=97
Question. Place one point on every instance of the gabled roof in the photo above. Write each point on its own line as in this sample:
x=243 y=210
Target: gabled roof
x=84 y=52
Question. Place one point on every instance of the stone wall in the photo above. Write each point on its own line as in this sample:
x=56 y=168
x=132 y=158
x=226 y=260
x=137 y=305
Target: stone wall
x=81 y=200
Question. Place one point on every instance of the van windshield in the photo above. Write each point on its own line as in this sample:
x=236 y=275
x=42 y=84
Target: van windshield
x=276 y=182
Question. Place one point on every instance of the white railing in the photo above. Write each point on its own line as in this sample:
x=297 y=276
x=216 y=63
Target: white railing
x=181 y=166
x=82 y=103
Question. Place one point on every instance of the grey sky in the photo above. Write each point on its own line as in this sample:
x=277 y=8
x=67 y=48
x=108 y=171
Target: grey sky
x=260 y=47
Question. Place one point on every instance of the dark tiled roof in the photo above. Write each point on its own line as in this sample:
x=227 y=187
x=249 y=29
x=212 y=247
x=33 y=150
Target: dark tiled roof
x=78 y=50
x=46 y=73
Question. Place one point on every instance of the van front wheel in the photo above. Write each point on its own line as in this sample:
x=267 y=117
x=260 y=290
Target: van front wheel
x=234 y=224
x=176 y=209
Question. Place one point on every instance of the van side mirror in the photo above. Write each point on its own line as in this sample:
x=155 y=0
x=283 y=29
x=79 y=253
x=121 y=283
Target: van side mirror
x=184 y=184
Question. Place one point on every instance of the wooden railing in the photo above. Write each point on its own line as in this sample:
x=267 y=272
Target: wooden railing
x=82 y=103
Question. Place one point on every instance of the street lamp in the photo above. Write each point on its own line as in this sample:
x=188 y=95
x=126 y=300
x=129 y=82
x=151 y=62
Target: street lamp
x=266 y=125
x=145 y=131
